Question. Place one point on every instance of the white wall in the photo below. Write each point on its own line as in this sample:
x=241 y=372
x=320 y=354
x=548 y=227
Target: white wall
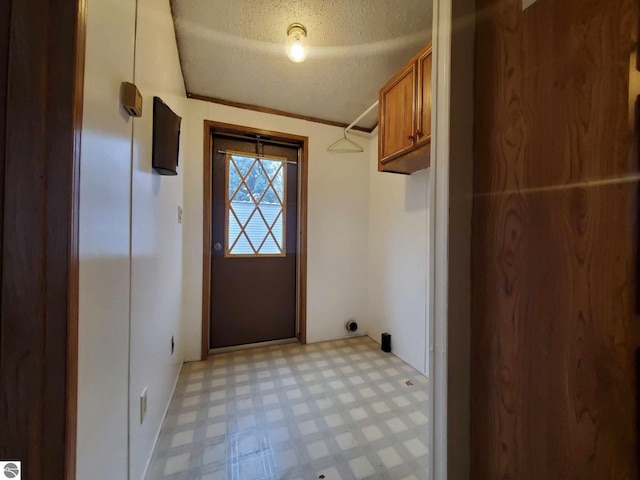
x=130 y=241
x=141 y=272
x=367 y=237
x=105 y=183
x=156 y=262
x=398 y=215
x=337 y=223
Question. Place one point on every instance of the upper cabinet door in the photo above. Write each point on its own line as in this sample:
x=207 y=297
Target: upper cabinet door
x=423 y=134
x=397 y=115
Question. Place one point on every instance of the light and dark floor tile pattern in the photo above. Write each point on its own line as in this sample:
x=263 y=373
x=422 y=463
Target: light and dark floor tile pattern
x=339 y=410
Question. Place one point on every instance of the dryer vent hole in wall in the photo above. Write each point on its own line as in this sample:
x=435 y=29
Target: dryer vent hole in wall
x=351 y=326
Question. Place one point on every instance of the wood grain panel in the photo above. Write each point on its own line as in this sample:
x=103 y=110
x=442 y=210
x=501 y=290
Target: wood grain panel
x=397 y=115
x=424 y=98
x=554 y=330
x=207 y=244
x=301 y=271
x=5 y=30
x=42 y=45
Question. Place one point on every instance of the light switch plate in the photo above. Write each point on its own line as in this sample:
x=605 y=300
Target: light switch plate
x=527 y=3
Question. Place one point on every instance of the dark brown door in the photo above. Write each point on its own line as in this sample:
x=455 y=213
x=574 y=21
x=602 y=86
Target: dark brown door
x=253 y=278
x=555 y=236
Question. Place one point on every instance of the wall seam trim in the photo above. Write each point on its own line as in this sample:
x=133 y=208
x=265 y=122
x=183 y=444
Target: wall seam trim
x=133 y=79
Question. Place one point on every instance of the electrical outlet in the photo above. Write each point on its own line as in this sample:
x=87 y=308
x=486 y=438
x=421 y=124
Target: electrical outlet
x=173 y=345
x=179 y=214
x=143 y=405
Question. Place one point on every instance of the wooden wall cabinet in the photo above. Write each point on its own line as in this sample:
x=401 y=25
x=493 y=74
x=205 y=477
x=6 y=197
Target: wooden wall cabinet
x=404 y=118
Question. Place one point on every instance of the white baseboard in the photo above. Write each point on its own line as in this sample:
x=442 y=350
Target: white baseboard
x=164 y=416
x=331 y=339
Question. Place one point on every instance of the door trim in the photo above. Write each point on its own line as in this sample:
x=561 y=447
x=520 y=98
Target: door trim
x=210 y=128
x=451 y=197
x=42 y=124
x=252 y=346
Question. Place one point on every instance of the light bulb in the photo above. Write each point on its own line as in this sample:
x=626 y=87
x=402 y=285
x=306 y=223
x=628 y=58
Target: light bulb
x=296 y=45
x=297 y=53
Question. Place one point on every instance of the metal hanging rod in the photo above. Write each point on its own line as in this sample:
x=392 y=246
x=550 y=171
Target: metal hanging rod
x=353 y=124
x=224 y=152
x=260 y=139
x=351 y=146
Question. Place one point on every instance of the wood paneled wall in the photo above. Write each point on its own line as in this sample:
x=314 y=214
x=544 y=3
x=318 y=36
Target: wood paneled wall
x=41 y=80
x=555 y=236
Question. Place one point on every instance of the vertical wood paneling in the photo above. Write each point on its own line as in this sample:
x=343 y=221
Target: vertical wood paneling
x=5 y=16
x=206 y=241
x=301 y=270
x=23 y=282
x=42 y=48
x=554 y=232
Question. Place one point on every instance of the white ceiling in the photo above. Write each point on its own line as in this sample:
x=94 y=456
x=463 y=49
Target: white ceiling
x=234 y=50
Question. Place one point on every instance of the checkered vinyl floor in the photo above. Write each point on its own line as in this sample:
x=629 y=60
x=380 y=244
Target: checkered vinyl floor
x=337 y=410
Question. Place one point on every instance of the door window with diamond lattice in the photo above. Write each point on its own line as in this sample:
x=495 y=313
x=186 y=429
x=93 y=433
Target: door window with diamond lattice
x=255 y=199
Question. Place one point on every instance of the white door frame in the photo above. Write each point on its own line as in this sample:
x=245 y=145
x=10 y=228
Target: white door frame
x=451 y=198
x=438 y=227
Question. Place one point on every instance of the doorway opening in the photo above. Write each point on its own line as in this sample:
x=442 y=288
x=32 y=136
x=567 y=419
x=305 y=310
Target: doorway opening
x=254 y=227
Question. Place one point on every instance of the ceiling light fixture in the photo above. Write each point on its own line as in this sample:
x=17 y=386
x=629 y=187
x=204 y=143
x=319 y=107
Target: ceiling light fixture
x=296 y=45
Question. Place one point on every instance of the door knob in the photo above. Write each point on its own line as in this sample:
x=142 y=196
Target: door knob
x=217 y=247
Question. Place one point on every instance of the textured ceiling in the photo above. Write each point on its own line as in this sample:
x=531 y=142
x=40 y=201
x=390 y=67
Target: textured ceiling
x=234 y=50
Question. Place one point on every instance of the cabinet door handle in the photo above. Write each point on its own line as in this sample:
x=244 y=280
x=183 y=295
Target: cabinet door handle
x=410 y=137
x=418 y=133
